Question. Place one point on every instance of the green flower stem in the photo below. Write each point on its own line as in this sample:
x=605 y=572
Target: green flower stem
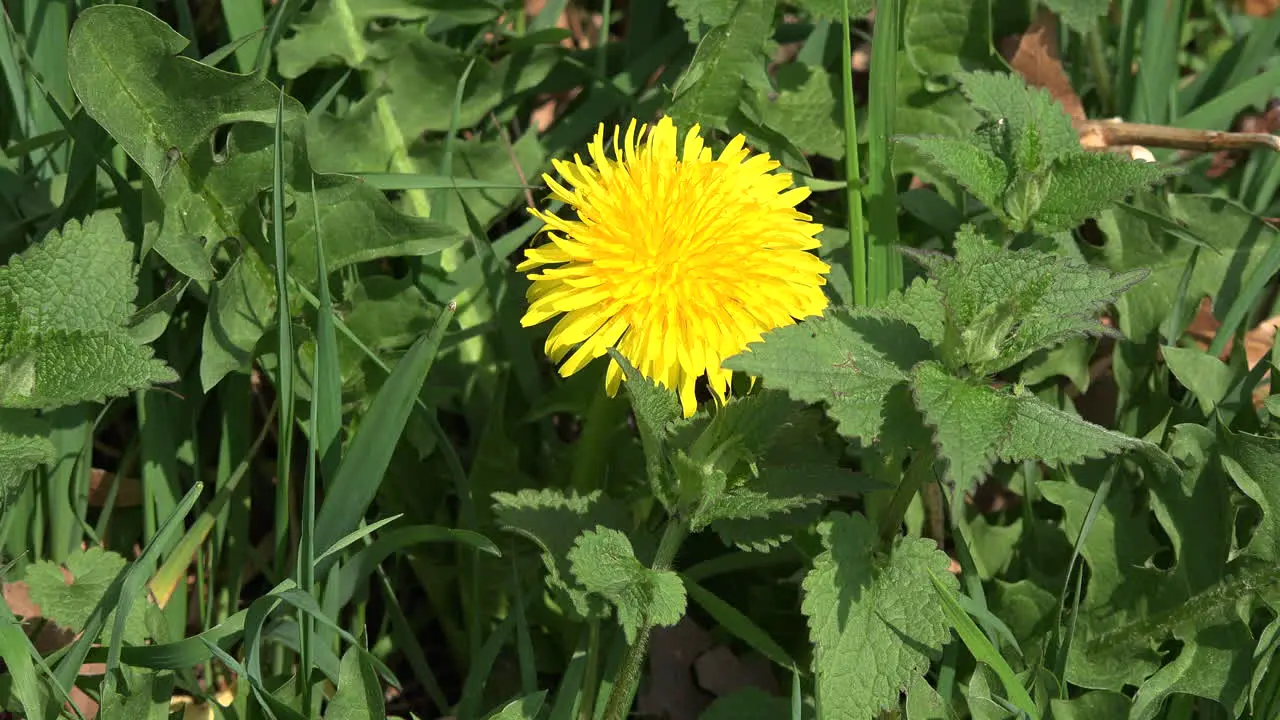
x=624 y=686
x=918 y=473
x=591 y=459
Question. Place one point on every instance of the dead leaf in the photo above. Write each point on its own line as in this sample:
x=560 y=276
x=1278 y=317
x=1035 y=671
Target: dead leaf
x=670 y=691
x=1259 y=8
x=1034 y=55
x=100 y=483
x=721 y=672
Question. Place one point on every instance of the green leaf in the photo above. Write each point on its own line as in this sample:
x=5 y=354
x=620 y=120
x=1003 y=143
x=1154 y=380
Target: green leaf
x=147 y=698
x=876 y=621
x=980 y=172
x=656 y=409
x=242 y=308
x=525 y=708
x=943 y=37
x=924 y=703
x=604 y=562
x=975 y=425
x=833 y=9
x=70 y=602
x=1252 y=462
x=749 y=703
x=359 y=695
x=804 y=109
x=337 y=31
x=1038 y=128
x=729 y=60
x=1079 y=15
x=1083 y=184
x=1003 y=305
x=553 y=521
x=697 y=14
x=64 y=306
x=1235 y=238
x=24 y=446
x=1205 y=376
x=849 y=360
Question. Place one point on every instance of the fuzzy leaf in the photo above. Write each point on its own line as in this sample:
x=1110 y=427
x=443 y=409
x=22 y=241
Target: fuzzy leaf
x=942 y=37
x=876 y=622
x=24 y=445
x=975 y=425
x=69 y=603
x=729 y=59
x=359 y=695
x=1079 y=15
x=969 y=164
x=805 y=110
x=605 y=564
x=1084 y=184
x=1004 y=305
x=697 y=14
x=65 y=303
x=1039 y=130
x=849 y=360
x=553 y=521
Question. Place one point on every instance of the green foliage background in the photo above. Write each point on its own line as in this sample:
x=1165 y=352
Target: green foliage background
x=272 y=437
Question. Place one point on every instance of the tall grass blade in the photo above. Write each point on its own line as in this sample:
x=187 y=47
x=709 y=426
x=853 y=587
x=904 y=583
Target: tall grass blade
x=852 y=177
x=884 y=264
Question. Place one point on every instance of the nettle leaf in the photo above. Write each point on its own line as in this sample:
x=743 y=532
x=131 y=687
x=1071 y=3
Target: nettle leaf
x=70 y=601
x=1004 y=305
x=729 y=60
x=979 y=171
x=1083 y=184
x=657 y=410
x=975 y=425
x=847 y=359
x=65 y=304
x=553 y=520
x=1030 y=170
x=340 y=31
x=24 y=446
x=1079 y=15
x=805 y=110
x=605 y=564
x=875 y=621
x=698 y=14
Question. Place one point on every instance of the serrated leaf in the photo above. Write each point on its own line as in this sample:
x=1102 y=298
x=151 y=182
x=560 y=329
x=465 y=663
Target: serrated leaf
x=553 y=520
x=876 y=622
x=64 y=306
x=697 y=14
x=979 y=171
x=921 y=305
x=1039 y=128
x=656 y=408
x=767 y=533
x=1004 y=305
x=849 y=360
x=1084 y=184
x=70 y=602
x=605 y=564
x=338 y=31
x=147 y=697
x=729 y=60
x=805 y=110
x=359 y=695
x=975 y=425
x=24 y=446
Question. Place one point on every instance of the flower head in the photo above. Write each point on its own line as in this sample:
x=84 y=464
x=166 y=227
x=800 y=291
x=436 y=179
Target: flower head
x=677 y=258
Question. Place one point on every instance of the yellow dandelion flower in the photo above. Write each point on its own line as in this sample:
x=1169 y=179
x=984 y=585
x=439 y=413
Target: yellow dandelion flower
x=677 y=258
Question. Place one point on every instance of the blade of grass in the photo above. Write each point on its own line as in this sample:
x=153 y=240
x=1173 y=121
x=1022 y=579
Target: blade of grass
x=852 y=177
x=884 y=264
x=369 y=453
x=1158 y=64
x=414 y=181
x=738 y=624
x=569 y=692
x=115 y=599
x=285 y=359
x=245 y=18
x=982 y=649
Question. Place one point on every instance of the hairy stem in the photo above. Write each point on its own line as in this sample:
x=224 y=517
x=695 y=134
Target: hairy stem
x=918 y=472
x=624 y=686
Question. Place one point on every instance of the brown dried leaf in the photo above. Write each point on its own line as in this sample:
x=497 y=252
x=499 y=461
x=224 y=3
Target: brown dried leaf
x=1034 y=55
